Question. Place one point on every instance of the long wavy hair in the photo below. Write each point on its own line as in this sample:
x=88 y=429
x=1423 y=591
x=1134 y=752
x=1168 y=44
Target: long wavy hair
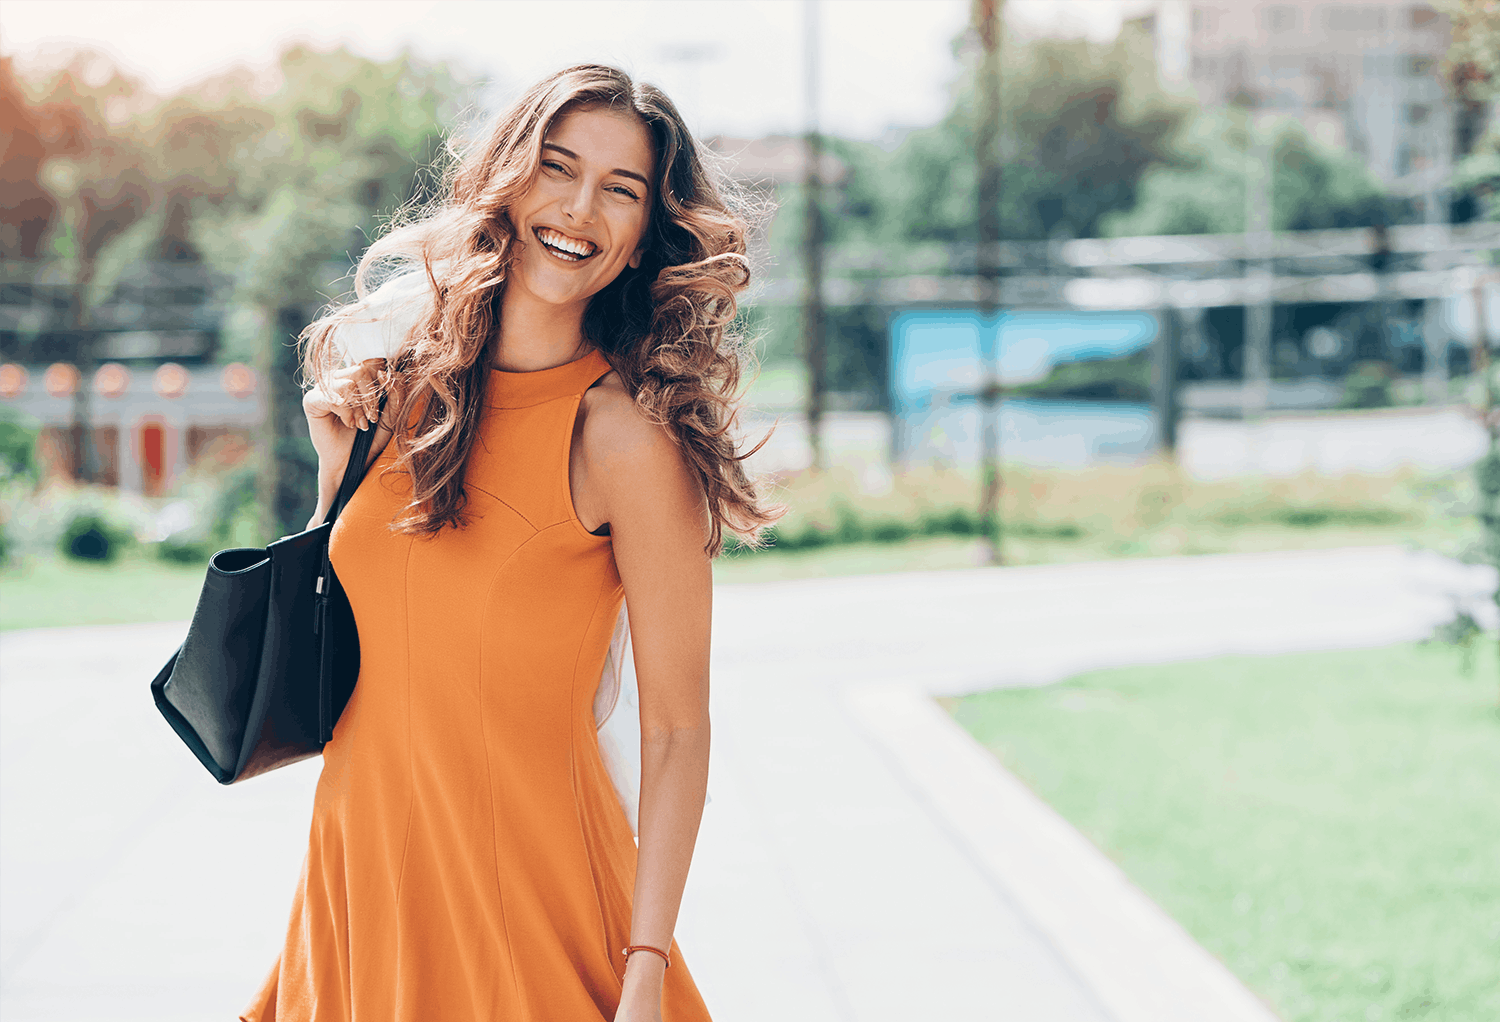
x=667 y=327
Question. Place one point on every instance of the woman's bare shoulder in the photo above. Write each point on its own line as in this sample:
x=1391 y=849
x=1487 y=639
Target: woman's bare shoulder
x=618 y=436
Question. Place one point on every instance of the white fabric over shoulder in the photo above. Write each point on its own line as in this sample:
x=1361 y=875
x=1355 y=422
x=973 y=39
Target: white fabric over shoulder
x=617 y=717
x=390 y=311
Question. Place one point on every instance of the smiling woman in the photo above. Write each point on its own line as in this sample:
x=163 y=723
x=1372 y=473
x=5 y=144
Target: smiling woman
x=556 y=443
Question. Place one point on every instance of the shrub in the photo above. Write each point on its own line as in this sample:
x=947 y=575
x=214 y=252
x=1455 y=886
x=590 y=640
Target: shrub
x=175 y=551
x=954 y=521
x=850 y=528
x=1368 y=385
x=18 y=438
x=1044 y=530
x=890 y=530
x=91 y=536
x=215 y=508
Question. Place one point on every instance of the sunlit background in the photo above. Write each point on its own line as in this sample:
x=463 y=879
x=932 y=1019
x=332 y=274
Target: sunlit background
x=1145 y=338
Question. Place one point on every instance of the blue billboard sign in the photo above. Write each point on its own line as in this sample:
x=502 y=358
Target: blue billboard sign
x=943 y=352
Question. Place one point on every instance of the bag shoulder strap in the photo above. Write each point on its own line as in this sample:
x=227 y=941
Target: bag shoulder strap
x=354 y=471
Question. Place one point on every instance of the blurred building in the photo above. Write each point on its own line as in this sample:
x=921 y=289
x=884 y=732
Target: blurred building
x=1363 y=75
x=148 y=423
x=156 y=403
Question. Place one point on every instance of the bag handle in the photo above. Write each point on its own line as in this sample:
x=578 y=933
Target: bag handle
x=354 y=471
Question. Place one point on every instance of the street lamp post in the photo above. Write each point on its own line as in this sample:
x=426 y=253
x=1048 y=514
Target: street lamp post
x=814 y=346
x=989 y=28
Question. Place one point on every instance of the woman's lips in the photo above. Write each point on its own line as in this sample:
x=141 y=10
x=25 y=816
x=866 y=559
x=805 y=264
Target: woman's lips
x=562 y=247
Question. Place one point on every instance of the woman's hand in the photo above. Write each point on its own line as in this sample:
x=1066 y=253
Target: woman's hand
x=640 y=1001
x=350 y=401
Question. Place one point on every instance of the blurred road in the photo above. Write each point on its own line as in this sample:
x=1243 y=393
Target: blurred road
x=860 y=861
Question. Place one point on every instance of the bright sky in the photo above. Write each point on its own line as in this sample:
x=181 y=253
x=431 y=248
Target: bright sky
x=733 y=66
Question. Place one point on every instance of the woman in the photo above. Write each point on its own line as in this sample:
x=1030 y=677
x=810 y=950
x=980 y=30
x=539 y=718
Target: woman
x=560 y=410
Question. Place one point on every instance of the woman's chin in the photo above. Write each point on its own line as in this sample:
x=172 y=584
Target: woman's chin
x=559 y=289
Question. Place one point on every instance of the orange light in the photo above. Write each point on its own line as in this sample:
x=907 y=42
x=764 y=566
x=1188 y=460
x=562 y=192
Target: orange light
x=60 y=379
x=170 y=380
x=13 y=380
x=111 y=380
x=238 y=380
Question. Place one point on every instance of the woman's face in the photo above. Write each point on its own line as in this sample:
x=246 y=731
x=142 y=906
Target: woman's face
x=583 y=219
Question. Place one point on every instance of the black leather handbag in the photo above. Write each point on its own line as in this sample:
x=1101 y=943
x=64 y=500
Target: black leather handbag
x=272 y=654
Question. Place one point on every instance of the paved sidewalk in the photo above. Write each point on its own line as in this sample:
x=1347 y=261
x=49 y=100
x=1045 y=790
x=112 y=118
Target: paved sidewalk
x=843 y=874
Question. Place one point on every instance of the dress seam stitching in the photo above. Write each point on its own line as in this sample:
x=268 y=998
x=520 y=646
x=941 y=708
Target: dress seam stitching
x=504 y=503
x=489 y=778
x=411 y=772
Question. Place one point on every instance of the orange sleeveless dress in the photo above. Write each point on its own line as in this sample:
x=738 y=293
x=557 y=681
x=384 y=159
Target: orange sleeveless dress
x=469 y=859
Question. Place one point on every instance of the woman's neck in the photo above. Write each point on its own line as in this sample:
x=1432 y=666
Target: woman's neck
x=537 y=335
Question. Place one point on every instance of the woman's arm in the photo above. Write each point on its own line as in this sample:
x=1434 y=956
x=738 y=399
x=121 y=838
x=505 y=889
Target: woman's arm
x=636 y=480
x=350 y=403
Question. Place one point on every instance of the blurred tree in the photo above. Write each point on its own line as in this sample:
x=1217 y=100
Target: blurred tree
x=316 y=166
x=1313 y=186
x=103 y=176
x=1081 y=124
x=80 y=186
x=1472 y=68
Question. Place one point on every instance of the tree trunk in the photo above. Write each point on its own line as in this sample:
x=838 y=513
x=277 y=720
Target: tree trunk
x=85 y=454
x=288 y=475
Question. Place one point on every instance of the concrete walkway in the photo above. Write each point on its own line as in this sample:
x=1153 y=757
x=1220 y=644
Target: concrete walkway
x=861 y=861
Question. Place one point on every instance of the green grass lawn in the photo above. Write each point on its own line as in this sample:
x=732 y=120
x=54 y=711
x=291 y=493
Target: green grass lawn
x=1328 y=824
x=43 y=592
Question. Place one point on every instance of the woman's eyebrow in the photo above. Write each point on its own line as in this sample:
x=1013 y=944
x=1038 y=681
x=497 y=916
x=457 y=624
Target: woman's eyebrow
x=574 y=156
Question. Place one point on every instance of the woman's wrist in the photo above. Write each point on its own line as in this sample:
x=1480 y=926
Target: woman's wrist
x=644 y=967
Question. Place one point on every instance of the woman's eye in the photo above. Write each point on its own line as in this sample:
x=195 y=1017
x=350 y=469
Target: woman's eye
x=554 y=165
x=622 y=190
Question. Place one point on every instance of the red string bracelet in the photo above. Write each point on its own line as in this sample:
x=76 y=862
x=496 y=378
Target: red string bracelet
x=646 y=947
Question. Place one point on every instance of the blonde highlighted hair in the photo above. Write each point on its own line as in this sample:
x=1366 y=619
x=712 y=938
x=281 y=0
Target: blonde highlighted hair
x=666 y=328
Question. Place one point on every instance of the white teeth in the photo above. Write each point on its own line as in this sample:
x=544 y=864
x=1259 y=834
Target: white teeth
x=552 y=239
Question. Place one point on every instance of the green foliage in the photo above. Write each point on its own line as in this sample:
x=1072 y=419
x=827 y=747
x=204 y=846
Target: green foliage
x=1462 y=632
x=1479 y=173
x=1105 y=379
x=1368 y=385
x=1082 y=123
x=1472 y=67
x=90 y=536
x=319 y=168
x=1108 y=511
x=18 y=437
x=1472 y=63
x=1487 y=481
x=1313 y=186
x=221 y=510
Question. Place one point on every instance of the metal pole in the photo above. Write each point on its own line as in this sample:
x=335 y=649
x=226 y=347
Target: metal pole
x=1259 y=193
x=989 y=27
x=1487 y=508
x=1434 y=335
x=813 y=339
x=1164 y=376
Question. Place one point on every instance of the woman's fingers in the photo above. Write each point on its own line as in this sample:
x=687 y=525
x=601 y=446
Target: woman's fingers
x=360 y=388
x=371 y=387
x=322 y=402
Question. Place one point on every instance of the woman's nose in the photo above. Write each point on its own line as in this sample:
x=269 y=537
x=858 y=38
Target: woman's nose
x=578 y=204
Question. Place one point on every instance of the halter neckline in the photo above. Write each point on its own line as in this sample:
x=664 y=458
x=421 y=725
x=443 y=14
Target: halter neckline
x=521 y=390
